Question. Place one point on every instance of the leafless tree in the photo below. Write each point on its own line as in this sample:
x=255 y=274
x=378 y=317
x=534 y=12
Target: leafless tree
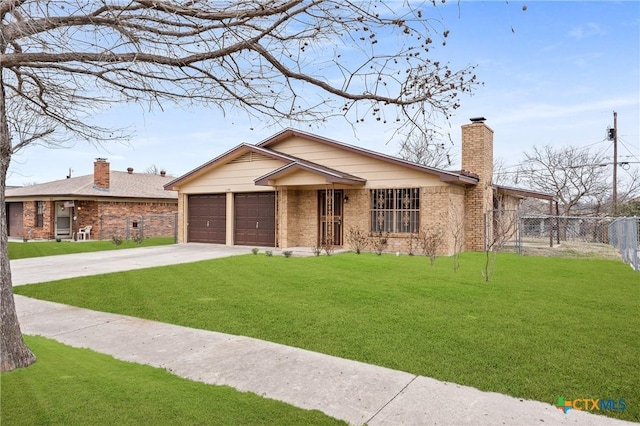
x=155 y=170
x=502 y=176
x=574 y=175
x=426 y=148
x=284 y=60
x=456 y=229
x=504 y=226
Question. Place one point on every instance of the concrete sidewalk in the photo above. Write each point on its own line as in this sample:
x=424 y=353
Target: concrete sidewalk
x=355 y=392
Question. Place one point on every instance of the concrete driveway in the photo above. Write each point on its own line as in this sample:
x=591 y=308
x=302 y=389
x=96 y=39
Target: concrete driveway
x=51 y=268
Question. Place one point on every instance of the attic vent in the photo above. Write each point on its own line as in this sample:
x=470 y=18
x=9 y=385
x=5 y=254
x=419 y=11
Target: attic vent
x=249 y=157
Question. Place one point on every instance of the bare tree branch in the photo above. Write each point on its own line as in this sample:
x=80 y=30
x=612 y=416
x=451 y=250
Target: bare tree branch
x=63 y=61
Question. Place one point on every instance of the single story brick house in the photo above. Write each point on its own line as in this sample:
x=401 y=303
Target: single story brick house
x=111 y=202
x=296 y=189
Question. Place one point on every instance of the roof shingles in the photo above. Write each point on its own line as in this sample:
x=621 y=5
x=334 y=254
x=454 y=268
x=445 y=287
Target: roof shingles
x=122 y=185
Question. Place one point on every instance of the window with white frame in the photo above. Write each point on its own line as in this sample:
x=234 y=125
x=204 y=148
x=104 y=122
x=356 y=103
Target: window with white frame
x=395 y=210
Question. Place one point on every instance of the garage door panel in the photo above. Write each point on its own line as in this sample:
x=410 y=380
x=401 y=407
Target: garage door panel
x=255 y=219
x=207 y=218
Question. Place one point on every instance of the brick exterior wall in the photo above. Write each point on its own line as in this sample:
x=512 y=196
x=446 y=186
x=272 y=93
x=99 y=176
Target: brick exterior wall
x=106 y=218
x=477 y=157
x=437 y=206
x=29 y=213
x=302 y=218
x=126 y=219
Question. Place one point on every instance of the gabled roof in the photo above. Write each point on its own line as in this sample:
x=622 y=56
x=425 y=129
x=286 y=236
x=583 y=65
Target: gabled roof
x=228 y=156
x=332 y=175
x=121 y=185
x=445 y=176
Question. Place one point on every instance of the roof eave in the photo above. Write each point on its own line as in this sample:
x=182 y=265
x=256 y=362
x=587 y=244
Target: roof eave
x=524 y=193
x=443 y=175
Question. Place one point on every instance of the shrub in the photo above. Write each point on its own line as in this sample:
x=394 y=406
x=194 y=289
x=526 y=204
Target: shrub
x=379 y=242
x=138 y=238
x=328 y=247
x=317 y=250
x=430 y=241
x=287 y=253
x=116 y=240
x=357 y=239
x=269 y=253
x=255 y=250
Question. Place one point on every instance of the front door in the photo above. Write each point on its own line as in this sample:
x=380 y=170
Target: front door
x=63 y=220
x=14 y=216
x=330 y=208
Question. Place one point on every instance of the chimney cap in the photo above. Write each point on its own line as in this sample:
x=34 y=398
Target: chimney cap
x=478 y=119
x=130 y=170
x=100 y=159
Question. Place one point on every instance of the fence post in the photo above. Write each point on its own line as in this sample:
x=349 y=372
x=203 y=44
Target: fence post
x=127 y=228
x=141 y=232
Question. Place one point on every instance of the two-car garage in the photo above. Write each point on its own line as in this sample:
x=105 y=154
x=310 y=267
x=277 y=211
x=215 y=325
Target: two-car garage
x=253 y=218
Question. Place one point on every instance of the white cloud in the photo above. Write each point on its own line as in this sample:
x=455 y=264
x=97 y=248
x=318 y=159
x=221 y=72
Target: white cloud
x=588 y=30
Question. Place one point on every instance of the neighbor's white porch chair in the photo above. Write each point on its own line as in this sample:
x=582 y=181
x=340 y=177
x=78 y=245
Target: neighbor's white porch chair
x=84 y=233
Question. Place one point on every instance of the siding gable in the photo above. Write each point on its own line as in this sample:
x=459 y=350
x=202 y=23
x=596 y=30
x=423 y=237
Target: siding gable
x=236 y=175
x=377 y=172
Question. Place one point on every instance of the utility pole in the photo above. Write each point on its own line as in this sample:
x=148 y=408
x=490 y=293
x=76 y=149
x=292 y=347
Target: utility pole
x=615 y=162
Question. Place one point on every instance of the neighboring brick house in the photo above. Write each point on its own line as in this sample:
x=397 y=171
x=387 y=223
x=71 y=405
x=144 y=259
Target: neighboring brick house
x=298 y=189
x=111 y=202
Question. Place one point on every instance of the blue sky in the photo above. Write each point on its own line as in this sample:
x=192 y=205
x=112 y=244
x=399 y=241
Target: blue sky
x=552 y=74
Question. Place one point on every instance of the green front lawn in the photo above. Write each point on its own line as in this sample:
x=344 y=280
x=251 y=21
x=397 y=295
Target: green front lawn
x=52 y=248
x=542 y=328
x=70 y=386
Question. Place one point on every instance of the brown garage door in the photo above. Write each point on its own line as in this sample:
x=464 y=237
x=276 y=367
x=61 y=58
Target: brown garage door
x=14 y=215
x=255 y=219
x=207 y=218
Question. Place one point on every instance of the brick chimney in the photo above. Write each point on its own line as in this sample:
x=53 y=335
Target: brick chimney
x=477 y=157
x=101 y=173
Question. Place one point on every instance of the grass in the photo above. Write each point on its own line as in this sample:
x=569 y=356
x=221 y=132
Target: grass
x=542 y=328
x=77 y=386
x=52 y=248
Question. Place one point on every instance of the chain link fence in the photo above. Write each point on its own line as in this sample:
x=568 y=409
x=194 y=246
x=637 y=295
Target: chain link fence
x=138 y=226
x=624 y=235
x=555 y=229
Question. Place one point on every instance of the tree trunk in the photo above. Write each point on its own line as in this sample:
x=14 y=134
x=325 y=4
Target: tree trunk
x=14 y=353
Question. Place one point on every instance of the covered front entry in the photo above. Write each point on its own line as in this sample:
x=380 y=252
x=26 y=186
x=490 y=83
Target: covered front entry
x=207 y=218
x=14 y=219
x=330 y=206
x=255 y=219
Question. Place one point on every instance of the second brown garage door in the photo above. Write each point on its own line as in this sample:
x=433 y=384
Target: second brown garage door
x=207 y=218
x=255 y=219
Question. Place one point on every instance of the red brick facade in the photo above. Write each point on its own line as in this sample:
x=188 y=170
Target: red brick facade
x=107 y=218
x=101 y=173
